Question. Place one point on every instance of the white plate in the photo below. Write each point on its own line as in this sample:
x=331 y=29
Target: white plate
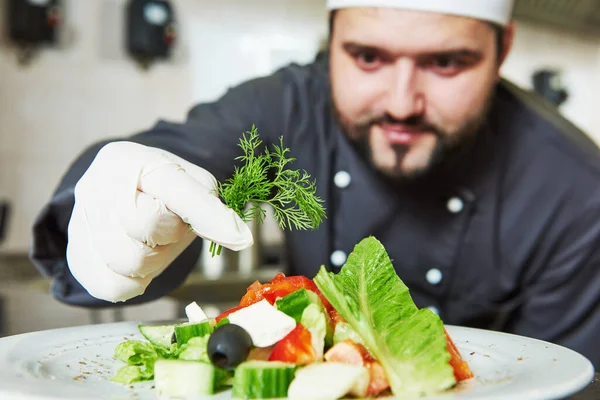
x=76 y=363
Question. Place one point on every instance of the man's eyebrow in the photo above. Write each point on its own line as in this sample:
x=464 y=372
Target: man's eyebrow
x=355 y=47
x=463 y=53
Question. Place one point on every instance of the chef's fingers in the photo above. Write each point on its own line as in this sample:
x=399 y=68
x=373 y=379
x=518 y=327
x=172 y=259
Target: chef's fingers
x=196 y=204
x=88 y=268
x=204 y=177
x=147 y=219
x=119 y=251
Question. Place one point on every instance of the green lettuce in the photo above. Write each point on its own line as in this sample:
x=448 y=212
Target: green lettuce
x=344 y=331
x=410 y=343
x=195 y=349
x=139 y=357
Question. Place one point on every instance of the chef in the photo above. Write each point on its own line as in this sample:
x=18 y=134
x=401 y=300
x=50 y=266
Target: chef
x=486 y=199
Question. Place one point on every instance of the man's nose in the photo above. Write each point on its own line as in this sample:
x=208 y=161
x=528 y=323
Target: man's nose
x=405 y=97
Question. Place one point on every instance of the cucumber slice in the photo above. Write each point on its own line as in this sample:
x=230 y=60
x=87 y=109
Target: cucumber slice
x=294 y=303
x=183 y=378
x=186 y=331
x=158 y=335
x=262 y=379
x=315 y=320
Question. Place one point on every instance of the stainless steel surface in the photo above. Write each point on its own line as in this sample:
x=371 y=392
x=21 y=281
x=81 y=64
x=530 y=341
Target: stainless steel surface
x=17 y=268
x=26 y=304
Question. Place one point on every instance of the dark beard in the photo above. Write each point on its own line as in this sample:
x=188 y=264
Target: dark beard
x=449 y=147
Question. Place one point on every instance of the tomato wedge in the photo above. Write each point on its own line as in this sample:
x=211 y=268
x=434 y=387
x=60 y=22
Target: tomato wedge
x=460 y=366
x=295 y=348
x=280 y=286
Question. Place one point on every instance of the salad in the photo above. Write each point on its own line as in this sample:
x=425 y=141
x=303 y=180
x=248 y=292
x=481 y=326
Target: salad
x=354 y=334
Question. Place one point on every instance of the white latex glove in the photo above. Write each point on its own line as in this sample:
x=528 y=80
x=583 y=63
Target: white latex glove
x=131 y=215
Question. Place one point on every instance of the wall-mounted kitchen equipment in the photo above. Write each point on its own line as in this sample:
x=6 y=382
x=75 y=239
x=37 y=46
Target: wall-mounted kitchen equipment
x=579 y=16
x=151 y=30
x=32 y=24
x=548 y=84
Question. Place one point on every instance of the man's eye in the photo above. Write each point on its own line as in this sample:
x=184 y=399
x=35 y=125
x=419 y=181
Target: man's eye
x=367 y=58
x=446 y=65
x=444 y=62
x=367 y=61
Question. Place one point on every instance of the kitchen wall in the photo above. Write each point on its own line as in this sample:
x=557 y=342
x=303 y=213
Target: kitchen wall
x=88 y=89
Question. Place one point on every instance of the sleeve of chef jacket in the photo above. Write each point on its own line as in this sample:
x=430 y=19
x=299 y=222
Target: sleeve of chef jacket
x=563 y=291
x=208 y=138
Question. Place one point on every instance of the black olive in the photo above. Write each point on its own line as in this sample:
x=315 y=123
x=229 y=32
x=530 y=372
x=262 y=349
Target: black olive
x=229 y=346
x=173 y=338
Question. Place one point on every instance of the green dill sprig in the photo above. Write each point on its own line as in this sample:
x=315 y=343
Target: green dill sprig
x=267 y=179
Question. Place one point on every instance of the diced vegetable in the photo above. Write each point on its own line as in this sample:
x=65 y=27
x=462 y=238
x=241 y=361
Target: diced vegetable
x=262 y=380
x=279 y=287
x=139 y=357
x=261 y=353
x=343 y=331
x=184 y=379
x=229 y=346
x=158 y=335
x=195 y=350
x=461 y=368
x=295 y=348
x=294 y=303
x=409 y=343
x=195 y=313
x=186 y=331
x=329 y=381
x=223 y=321
x=265 y=324
x=315 y=320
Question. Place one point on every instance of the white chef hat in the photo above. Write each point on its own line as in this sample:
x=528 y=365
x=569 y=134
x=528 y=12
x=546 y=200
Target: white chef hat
x=497 y=11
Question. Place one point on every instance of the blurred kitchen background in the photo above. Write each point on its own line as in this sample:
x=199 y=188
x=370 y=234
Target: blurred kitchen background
x=85 y=86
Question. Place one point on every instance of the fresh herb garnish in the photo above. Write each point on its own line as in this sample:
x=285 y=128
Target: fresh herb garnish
x=265 y=179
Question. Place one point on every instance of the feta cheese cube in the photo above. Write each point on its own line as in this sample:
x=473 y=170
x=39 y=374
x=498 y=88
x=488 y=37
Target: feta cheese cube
x=265 y=324
x=194 y=313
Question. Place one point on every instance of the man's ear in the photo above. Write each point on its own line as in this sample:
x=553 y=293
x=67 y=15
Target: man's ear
x=507 y=42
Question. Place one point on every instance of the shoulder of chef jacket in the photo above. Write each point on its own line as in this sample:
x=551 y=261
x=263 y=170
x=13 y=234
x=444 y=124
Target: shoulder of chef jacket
x=504 y=239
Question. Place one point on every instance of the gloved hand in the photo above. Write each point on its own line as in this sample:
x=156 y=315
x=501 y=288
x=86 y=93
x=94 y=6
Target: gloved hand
x=131 y=215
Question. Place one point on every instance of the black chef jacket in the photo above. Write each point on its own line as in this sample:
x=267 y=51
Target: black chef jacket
x=508 y=238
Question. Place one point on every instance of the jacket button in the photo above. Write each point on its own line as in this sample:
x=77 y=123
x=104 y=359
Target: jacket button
x=342 y=179
x=434 y=276
x=455 y=205
x=338 y=258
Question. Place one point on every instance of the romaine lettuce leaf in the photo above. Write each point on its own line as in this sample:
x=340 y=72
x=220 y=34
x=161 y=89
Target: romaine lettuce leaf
x=139 y=357
x=132 y=373
x=344 y=331
x=135 y=352
x=408 y=342
x=195 y=349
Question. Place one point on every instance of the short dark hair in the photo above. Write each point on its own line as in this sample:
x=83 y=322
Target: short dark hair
x=499 y=30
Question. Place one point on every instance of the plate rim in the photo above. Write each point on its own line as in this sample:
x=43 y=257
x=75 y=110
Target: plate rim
x=570 y=387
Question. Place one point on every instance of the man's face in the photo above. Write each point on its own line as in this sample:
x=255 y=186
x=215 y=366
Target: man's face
x=410 y=88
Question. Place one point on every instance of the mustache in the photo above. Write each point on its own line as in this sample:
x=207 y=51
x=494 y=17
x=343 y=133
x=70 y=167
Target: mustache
x=418 y=122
